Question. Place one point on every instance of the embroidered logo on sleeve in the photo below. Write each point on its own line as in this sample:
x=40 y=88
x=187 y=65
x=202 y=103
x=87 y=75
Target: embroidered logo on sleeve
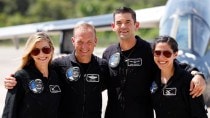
x=114 y=60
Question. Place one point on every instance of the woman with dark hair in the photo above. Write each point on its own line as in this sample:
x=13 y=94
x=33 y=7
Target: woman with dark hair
x=171 y=97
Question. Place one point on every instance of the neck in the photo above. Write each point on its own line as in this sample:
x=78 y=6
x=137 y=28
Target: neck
x=43 y=69
x=166 y=75
x=83 y=59
x=127 y=44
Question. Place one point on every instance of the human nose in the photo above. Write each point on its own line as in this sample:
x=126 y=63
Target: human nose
x=84 y=45
x=123 y=25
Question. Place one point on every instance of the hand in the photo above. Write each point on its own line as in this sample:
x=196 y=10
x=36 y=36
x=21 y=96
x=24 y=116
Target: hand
x=10 y=82
x=197 y=86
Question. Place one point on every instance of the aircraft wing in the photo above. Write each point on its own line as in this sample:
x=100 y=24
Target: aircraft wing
x=148 y=18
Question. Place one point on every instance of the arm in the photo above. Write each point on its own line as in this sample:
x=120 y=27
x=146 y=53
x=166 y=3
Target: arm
x=9 y=108
x=198 y=84
x=11 y=102
x=10 y=82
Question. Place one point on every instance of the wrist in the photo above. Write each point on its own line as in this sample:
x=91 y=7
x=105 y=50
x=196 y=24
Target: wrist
x=198 y=73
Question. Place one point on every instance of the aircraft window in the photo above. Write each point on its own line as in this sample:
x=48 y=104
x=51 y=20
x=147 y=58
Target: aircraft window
x=183 y=33
x=169 y=27
x=165 y=28
x=200 y=36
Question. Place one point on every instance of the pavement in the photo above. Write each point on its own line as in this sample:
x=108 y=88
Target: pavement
x=9 y=61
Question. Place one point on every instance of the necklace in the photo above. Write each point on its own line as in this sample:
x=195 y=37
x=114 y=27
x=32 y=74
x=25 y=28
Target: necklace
x=126 y=54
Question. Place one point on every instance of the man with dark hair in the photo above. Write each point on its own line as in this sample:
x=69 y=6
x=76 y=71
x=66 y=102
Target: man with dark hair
x=132 y=70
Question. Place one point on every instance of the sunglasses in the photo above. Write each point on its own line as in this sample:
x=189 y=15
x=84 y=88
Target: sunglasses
x=36 y=51
x=166 y=53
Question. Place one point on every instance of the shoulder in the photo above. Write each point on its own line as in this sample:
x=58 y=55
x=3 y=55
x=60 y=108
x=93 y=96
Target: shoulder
x=60 y=60
x=143 y=43
x=111 y=48
x=109 y=51
x=23 y=73
x=186 y=66
x=100 y=61
x=184 y=75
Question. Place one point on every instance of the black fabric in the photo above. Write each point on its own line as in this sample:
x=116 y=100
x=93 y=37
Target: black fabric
x=129 y=87
x=180 y=104
x=21 y=102
x=82 y=98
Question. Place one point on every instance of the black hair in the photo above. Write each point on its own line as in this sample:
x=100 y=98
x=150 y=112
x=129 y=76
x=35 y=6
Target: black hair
x=166 y=39
x=125 y=10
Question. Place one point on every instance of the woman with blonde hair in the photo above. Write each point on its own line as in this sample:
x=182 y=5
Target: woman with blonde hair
x=37 y=93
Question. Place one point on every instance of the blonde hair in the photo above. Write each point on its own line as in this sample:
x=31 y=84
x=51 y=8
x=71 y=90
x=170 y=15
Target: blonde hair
x=29 y=46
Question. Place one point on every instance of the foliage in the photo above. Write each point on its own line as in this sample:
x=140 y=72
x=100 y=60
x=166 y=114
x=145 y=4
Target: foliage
x=16 y=12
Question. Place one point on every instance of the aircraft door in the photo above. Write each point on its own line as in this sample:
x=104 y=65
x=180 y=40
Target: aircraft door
x=66 y=45
x=200 y=36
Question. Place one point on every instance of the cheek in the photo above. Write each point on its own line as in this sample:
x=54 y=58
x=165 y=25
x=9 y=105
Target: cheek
x=115 y=28
x=92 y=47
x=76 y=45
x=51 y=55
x=155 y=59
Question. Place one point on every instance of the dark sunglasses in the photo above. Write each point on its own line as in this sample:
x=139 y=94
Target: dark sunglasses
x=45 y=50
x=166 y=53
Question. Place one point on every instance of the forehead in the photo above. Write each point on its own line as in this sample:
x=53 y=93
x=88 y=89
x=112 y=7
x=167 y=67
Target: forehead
x=123 y=17
x=41 y=43
x=84 y=35
x=163 y=45
x=83 y=31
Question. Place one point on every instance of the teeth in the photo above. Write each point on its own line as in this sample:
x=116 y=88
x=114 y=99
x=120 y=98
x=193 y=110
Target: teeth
x=162 y=62
x=123 y=31
x=84 y=51
x=43 y=59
